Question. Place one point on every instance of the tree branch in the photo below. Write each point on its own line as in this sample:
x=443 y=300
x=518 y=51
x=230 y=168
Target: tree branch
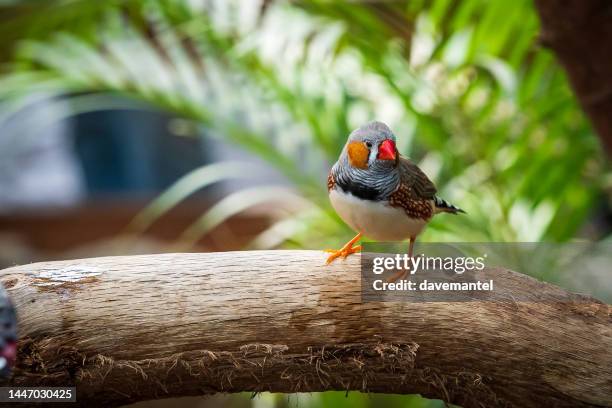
x=126 y=329
x=580 y=34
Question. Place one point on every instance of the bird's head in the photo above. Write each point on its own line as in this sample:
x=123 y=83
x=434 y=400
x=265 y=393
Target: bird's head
x=372 y=146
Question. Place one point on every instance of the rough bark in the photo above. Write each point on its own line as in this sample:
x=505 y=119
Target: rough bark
x=580 y=34
x=124 y=329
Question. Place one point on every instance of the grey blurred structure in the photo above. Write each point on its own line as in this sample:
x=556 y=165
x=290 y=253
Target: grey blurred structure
x=37 y=164
x=72 y=179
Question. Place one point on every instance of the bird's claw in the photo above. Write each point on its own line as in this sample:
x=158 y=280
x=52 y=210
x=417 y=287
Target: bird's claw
x=343 y=252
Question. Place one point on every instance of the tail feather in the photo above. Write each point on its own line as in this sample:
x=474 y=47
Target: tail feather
x=444 y=206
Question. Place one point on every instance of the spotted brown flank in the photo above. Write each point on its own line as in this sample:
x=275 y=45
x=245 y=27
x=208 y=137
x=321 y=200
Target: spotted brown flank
x=330 y=182
x=415 y=193
x=413 y=206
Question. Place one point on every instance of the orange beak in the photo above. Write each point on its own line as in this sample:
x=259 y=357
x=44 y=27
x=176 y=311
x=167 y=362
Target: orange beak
x=386 y=150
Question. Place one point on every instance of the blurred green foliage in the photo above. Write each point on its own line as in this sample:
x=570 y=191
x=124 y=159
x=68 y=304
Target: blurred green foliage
x=472 y=97
x=485 y=111
x=337 y=399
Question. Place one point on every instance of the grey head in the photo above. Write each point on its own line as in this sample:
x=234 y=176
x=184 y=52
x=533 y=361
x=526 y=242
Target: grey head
x=367 y=166
x=377 y=141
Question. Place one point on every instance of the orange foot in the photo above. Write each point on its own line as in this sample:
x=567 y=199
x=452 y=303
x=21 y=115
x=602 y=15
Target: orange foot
x=345 y=251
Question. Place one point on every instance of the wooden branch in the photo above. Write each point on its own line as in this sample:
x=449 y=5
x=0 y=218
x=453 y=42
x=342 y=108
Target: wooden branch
x=580 y=34
x=125 y=329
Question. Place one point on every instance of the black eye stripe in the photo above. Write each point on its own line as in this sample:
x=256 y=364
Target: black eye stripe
x=369 y=145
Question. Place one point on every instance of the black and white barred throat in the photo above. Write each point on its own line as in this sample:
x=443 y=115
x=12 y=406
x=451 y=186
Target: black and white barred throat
x=375 y=183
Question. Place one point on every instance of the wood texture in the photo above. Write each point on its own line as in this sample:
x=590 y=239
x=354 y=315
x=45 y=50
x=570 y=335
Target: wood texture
x=126 y=329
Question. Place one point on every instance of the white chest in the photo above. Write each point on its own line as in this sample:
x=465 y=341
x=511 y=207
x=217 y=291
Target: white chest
x=375 y=219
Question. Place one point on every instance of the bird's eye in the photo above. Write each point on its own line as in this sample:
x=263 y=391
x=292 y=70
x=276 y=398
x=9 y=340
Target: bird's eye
x=368 y=144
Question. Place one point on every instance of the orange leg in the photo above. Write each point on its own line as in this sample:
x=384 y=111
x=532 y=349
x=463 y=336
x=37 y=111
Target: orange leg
x=402 y=274
x=345 y=251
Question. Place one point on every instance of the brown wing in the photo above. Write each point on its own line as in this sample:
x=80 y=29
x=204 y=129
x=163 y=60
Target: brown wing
x=415 y=192
x=413 y=177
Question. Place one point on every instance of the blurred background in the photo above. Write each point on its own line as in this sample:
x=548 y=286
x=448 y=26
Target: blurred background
x=143 y=126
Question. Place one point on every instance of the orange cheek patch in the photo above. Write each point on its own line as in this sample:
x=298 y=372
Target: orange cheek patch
x=358 y=155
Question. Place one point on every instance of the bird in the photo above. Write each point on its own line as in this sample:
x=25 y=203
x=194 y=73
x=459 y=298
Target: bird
x=379 y=193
